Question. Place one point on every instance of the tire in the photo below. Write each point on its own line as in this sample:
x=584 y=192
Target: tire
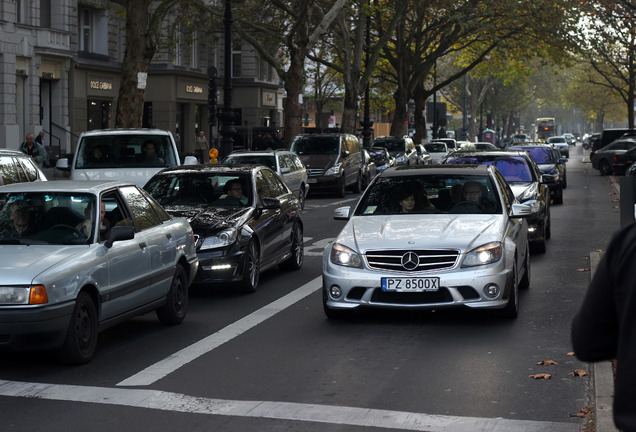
x=81 y=337
x=295 y=261
x=511 y=310
x=604 y=167
x=340 y=189
x=558 y=198
x=336 y=314
x=525 y=280
x=251 y=268
x=301 y=197
x=174 y=310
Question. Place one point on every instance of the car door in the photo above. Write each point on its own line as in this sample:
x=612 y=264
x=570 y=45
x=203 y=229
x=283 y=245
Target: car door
x=289 y=173
x=128 y=262
x=271 y=222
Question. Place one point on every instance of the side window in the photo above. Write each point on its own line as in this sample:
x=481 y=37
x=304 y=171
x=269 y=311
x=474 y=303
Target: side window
x=161 y=213
x=115 y=210
x=297 y=162
x=282 y=163
x=29 y=169
x=289 y=160
x=508 y=196
x=354 y=144
x=262 y=188
x=344 y=145
x=8 y=171
x=140 y=207
x=276 y=187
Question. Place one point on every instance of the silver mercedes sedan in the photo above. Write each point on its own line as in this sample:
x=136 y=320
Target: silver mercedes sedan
x=79 y=256
x=430 y=237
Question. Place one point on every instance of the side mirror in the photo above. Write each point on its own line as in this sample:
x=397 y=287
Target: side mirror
x=271 y=203
x=341 y=213
x=62 y=164
x=120 y=233
x=190 y=160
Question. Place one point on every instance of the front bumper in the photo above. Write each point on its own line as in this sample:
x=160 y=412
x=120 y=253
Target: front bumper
x=325 y=183
x=220 y=265
x=458 y=288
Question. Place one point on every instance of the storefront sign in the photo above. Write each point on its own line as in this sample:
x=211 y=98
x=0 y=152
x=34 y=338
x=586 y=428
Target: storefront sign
x=269 y=98
x=194 y=89
x=101 y=85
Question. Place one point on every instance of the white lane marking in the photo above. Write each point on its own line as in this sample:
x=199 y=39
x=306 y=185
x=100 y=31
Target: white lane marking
x=317 y=247
x=337 y=204
x=176 y=402
x=173 y=362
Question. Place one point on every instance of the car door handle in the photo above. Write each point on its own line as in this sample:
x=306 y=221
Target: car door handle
x=142 y=245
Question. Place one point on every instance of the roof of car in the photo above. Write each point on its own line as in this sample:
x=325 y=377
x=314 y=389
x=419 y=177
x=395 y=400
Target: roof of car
x=488 y=154
x=260 y=152
x=10 y=152
x=144 y=131
x=472 y=169
x=239 y=168
x=80 y=186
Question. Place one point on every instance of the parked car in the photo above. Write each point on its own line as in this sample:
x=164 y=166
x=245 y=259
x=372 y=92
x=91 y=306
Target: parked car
x=287 y=164
x=382 y=158
x=608 y=136
x=423 y=157
x=369 y=168
x=437 y=150
x=552 y=166
x=68 y=273
x=245 y=219
x=561 y=143
x=17 y=167
x=526 y=182
x=485 y=146
x=333 y=161
x=401 y=148
x=462 y=255
x=588 y=142
x=132 y=155
x=615 y=157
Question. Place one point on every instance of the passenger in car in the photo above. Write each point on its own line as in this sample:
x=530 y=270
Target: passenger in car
x=20 y=217
x=233 y=194
x=412 y=198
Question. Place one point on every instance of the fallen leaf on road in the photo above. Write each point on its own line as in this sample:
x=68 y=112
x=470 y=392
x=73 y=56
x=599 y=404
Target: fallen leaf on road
x=571 y=353
x=547 y=362
x=541 y=376
x=582 y=270
x=578 y=372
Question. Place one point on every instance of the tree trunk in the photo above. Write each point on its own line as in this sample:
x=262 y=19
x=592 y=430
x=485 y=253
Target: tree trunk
x=398 y=127
x=420 y=95
x=294 y=87
x=140 y=48
x=350 y=109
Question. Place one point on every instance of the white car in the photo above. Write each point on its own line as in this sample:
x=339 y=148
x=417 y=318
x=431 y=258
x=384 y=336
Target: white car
x=473 y=253
x=437 y=150
x=70 y=270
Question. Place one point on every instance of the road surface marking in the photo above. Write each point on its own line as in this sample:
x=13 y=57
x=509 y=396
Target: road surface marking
x=173 y=362
x=329 y=414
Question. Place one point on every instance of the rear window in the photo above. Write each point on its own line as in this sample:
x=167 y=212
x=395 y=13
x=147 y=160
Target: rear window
x=513 y=168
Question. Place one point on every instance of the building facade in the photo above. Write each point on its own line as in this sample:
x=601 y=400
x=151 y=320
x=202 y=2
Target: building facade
x=61 y=63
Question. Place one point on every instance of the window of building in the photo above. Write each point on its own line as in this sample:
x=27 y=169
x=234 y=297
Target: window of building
x=236 y=60
x=45 y=13
x=178 y=43
x=93 y=31
x=22 y=11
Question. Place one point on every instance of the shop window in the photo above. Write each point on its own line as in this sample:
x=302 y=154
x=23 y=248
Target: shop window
x=98 y=114
x=93 y=31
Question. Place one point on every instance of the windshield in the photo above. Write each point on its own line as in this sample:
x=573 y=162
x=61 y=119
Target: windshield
x=54 y=218
x=125 y=151
x=540 y=155
x=316 y=145
x=267 y=160
x=379 y=155
x=211 y=189
x=513 y=168
x=429 y=193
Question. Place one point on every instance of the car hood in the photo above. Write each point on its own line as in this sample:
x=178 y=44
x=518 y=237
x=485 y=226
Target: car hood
x=19 y=264
x=203 y=219
x=463 y=232
x=318 y=161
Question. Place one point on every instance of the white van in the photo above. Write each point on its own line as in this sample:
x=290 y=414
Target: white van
x=132 y=155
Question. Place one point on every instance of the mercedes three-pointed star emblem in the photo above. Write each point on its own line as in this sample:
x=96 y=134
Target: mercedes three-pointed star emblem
x=410 y=261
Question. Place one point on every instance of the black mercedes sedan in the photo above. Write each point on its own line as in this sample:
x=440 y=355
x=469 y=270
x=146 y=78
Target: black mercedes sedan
x=245 y=219
x=526 y=182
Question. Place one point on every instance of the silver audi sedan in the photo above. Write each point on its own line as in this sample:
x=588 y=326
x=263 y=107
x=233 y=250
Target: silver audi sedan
x=430 y=237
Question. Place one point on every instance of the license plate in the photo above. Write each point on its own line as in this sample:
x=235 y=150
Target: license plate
x=312 y=180
x=425 y=284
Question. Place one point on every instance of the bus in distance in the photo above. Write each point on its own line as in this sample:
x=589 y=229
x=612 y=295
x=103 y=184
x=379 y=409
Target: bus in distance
x=545 y=128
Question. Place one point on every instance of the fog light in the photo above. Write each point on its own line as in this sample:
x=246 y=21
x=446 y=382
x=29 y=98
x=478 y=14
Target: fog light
x=491 y=290
x=335 y=292
x=532 y=229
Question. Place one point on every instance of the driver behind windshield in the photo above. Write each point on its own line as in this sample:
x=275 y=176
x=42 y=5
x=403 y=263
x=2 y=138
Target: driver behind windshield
x=233 y=192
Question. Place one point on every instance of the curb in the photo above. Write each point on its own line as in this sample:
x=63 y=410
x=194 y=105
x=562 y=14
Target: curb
x=603 y=380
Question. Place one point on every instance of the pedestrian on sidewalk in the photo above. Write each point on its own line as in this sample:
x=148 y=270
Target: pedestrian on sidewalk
x=605 y=327
x=202 y=147
x=33 y=149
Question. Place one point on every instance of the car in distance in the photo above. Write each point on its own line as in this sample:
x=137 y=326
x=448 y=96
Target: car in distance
x=17 y=167
x=333 y=161
x=132 y=155
x=245 y=220
x=472 y=254
x=437 y=150
x=527 y=183
x=423 y=157
x=67 y=273
x=552 y=166
x=382 y=158
x=485 y=146
x=369 y=168
x=287 y=164
x=561 y=143
x=401 y=148
x=615 y=157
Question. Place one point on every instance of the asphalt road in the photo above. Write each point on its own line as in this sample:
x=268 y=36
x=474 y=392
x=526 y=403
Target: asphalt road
x=271 y=361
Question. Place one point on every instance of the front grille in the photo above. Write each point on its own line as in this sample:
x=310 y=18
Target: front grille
x=427 y=259
x=314 y=172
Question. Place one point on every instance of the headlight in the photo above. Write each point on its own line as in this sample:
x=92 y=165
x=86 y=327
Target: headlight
x=344 y=256
x=486 y=254
x=334 y=170
x=221 y=239
x=23 y=295
x=401 y=159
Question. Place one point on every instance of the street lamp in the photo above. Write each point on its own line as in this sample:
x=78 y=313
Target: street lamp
x=227 y=116
x=367 y=123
